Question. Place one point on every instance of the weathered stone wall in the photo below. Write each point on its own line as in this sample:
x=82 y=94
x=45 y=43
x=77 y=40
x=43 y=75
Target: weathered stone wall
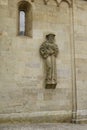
x=22 y=75
x=80 y=35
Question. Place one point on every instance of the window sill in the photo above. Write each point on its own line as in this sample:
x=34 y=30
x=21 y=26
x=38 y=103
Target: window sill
x=20 y=36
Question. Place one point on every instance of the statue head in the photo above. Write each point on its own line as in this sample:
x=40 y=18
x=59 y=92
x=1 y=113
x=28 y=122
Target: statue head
x=50 y=37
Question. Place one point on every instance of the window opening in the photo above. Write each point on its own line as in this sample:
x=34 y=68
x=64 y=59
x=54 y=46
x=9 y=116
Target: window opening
x=24 y=19
x=22 y=23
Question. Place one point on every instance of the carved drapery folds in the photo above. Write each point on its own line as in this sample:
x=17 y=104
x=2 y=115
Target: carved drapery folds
x=49 y=52
x=58 y=2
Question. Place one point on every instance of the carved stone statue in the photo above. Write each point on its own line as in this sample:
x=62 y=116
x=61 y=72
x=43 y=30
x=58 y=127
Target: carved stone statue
x=49 y=52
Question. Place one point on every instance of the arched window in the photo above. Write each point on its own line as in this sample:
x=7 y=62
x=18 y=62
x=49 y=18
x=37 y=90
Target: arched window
x=25 y=19
x=22 y=23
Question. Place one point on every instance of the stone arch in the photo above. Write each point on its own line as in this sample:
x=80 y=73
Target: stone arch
x=27 y=8
x=67 y=1
x=58 y=2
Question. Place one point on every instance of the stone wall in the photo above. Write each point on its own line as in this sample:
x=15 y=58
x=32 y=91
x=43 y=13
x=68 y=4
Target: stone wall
x=80 y=35
x=22 y=92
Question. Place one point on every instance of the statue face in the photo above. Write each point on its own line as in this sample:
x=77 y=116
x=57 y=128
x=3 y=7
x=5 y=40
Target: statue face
x=51 y=39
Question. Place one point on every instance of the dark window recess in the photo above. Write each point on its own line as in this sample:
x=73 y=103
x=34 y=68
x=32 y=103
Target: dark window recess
x=25 y=19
